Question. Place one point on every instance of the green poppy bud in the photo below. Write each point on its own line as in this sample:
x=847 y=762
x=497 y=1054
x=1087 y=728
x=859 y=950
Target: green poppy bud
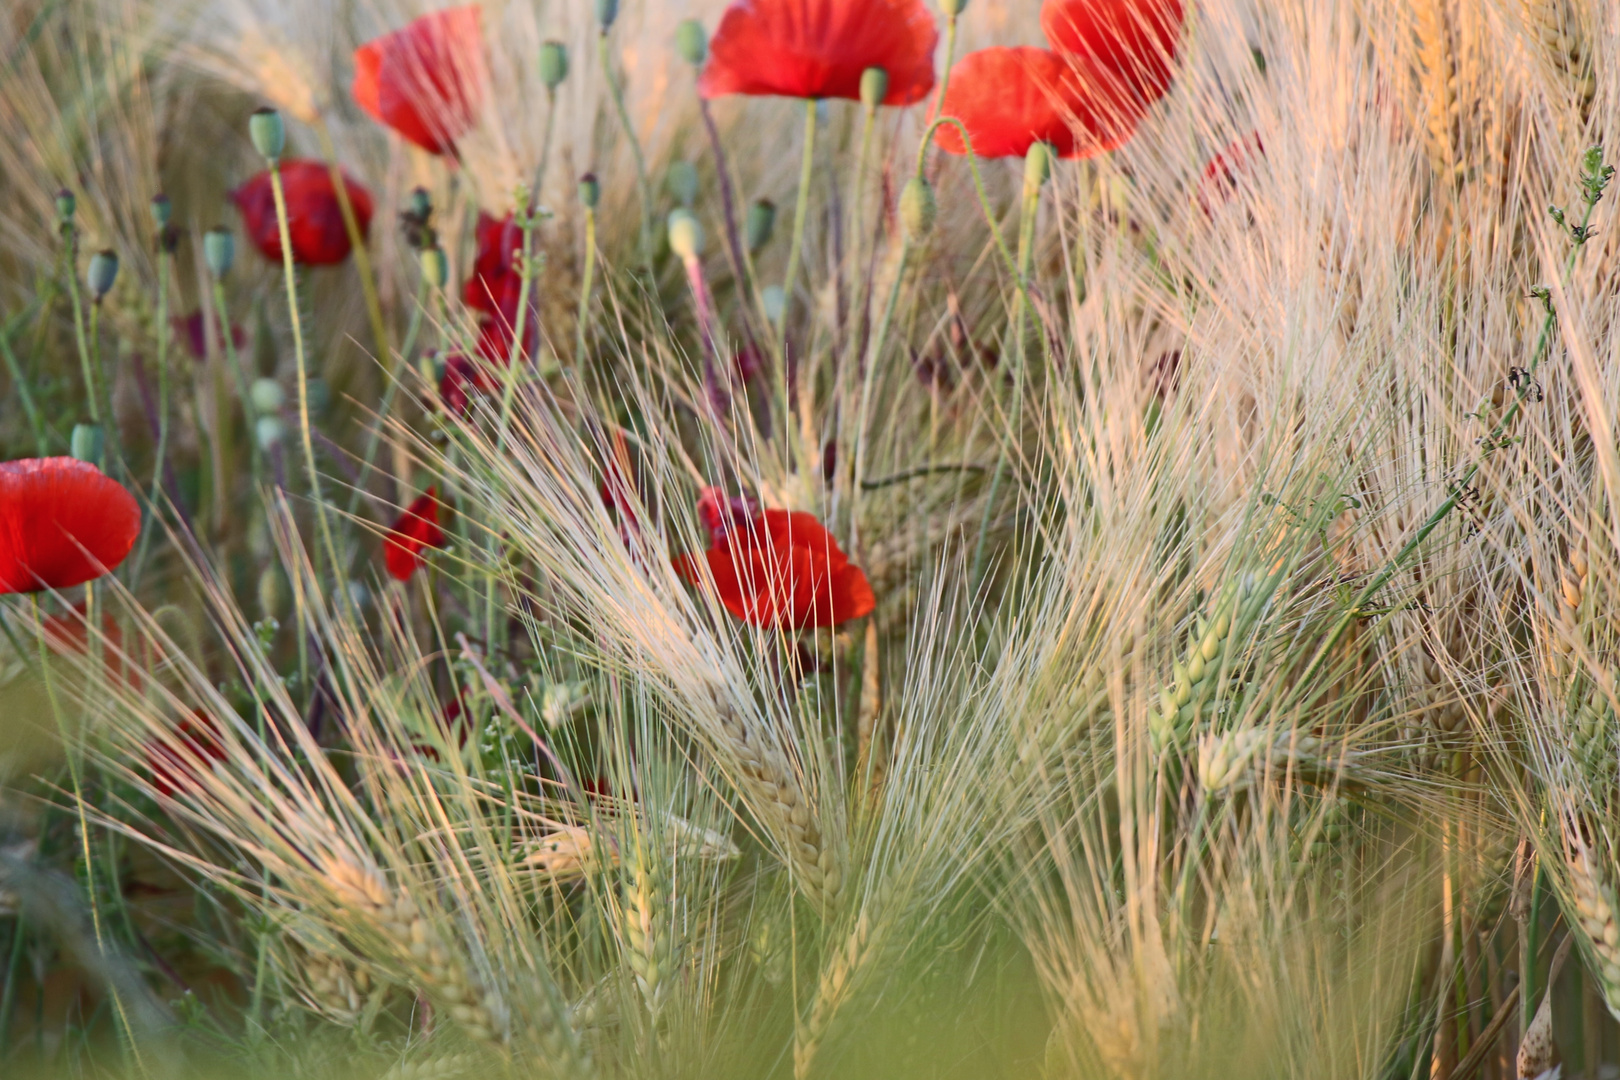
x=267 y=396
x=435 y=267
x=219 y=251
x=683 y=182
x=1037 y=166
x=918 y=209
x=359 y=594
x=685 y=234
x=774 y=300
x=606 y=12
x=102 y=273
x=162 y=211
x=88 y=443
x=692 y=42
x=421 y=204
x=590 y=191
x=66 y=204
x=268 y=132
x=553 y=64
x=874 y=87
x=759 y=224
x=269 y=431
x=952 y=8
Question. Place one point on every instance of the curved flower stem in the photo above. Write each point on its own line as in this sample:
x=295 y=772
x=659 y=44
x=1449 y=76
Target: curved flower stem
x=617 y=93
x=545 y=143
x=357 y=241
x=291 y=282
x=950 y=56
x=239 y=377
x=801 y=210
x=868 y=378
x=85 y=362
x=858 y=206
x=585 y=288
x=517 y=357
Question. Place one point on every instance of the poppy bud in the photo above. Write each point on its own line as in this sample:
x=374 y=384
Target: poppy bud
x=435 y=267
x=88 y=442
x=269 y=430
x=774 y=300
x=1037 y=166
x=761 y=220
x=553 y=64
x=685 y=234
x=874 y=87
x=952 y=8
x=162 y=211
x=683 y=182
x=692 y=42
x=606 y=12
x=918 y=209
x=421 y=204
x=219 y=251
x=102 y=273
x=66 y=204
x=267 y=396
x=590 y=192
x=359 y=595
x=268 y=132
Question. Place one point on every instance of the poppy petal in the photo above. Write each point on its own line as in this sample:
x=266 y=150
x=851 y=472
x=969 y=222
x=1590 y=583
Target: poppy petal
x=1011 y=98
x=416 y=529
x=1128 y=47
x=314 y=217
x=63 y=522
x=426 y=79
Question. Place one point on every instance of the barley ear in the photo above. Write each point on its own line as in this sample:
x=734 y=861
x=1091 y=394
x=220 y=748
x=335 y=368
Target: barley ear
x=832 y=990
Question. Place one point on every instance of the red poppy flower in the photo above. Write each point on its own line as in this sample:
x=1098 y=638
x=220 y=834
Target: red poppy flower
x=783 y=569
x=314 y=218
x=819 y=48
x=720 y=514
x=193 y=330
x=463 y=378
x=62 y=523
x=496 y=288
x=1127 y=48
x=196 y=748
x=426 y=80
x=1220 y=176
x=1011 y=98
x=416 y=529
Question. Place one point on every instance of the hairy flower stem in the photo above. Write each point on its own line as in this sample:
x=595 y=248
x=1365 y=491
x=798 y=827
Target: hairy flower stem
x=20 y=384
x=857 y=200
x=545 y=142
x=290 y=276
x=740 y=266
x=357 y=242
x=515 y=361
x=801 y=209
x=643 y=188
x=585 y=288
x=85 y=363
x=868 y=377
x=945 y=77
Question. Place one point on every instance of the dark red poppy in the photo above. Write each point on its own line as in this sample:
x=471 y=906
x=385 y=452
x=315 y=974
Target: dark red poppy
x=1011 y=98
x=69 y=635
x=178 y=765
x=62 y=523
x=314 y=218
x=193 y=330
x=495 y=288
x=426 y=80
x=463 y=378
x=719 y=513
x=1126 y=49
x=417 y=529
x=782 y=569
x=1220 y=176
x=819 y=48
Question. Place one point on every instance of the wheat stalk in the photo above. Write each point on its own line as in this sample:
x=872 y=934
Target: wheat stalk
x=1438 y=80
x=1553 y=27
x=646 y=932
x=832 y=990
x=1594 y=904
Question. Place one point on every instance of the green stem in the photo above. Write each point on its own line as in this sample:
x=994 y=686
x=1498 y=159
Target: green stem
x=514 y=362
x=1527 y=952
x=374 y=438
x=85 y=362
x=801 y=210
x=858 y=201
x=163 y=410
x=645 y=190
x=545 y=142
x=950 y=54
x=239 y=377
x=357 y=243
x=868 y=378
x=585 y=288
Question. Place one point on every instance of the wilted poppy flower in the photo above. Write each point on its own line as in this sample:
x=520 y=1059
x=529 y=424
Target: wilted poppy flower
x=782 y=569
x=62 y=523
x=1220 y=176
x=1125 y=48
x=1011 y=98
x=416 y=529
x=196 y=748
x=819 y=49
x=314 y=218
x=426 y=80
x=193 y=330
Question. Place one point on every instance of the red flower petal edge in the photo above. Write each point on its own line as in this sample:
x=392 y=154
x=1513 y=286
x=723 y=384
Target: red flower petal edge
x=314 y=218
x=1011 y=98
x=62 y=523
x=819 y=48
x=425 y=80
x=1128 y=48
x=417 y=529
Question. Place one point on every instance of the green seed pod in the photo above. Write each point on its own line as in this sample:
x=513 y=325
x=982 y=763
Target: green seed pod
x=102 y=273
x=269 y=431
x=268 y=132
x=692 y=42
x=606 y=12
x=162 y=211
x=553 y=64
x=1037 y=166
x=219 y=251
x=267 y=396
x=874 y=87
x=918 y=209
x=435 y=267
x=683 y=182
x=760 y=223
x=590 y=191
x=88 y=443
x=66 y=204
x=272 y=593
x=952 y=8
x=685 y=234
